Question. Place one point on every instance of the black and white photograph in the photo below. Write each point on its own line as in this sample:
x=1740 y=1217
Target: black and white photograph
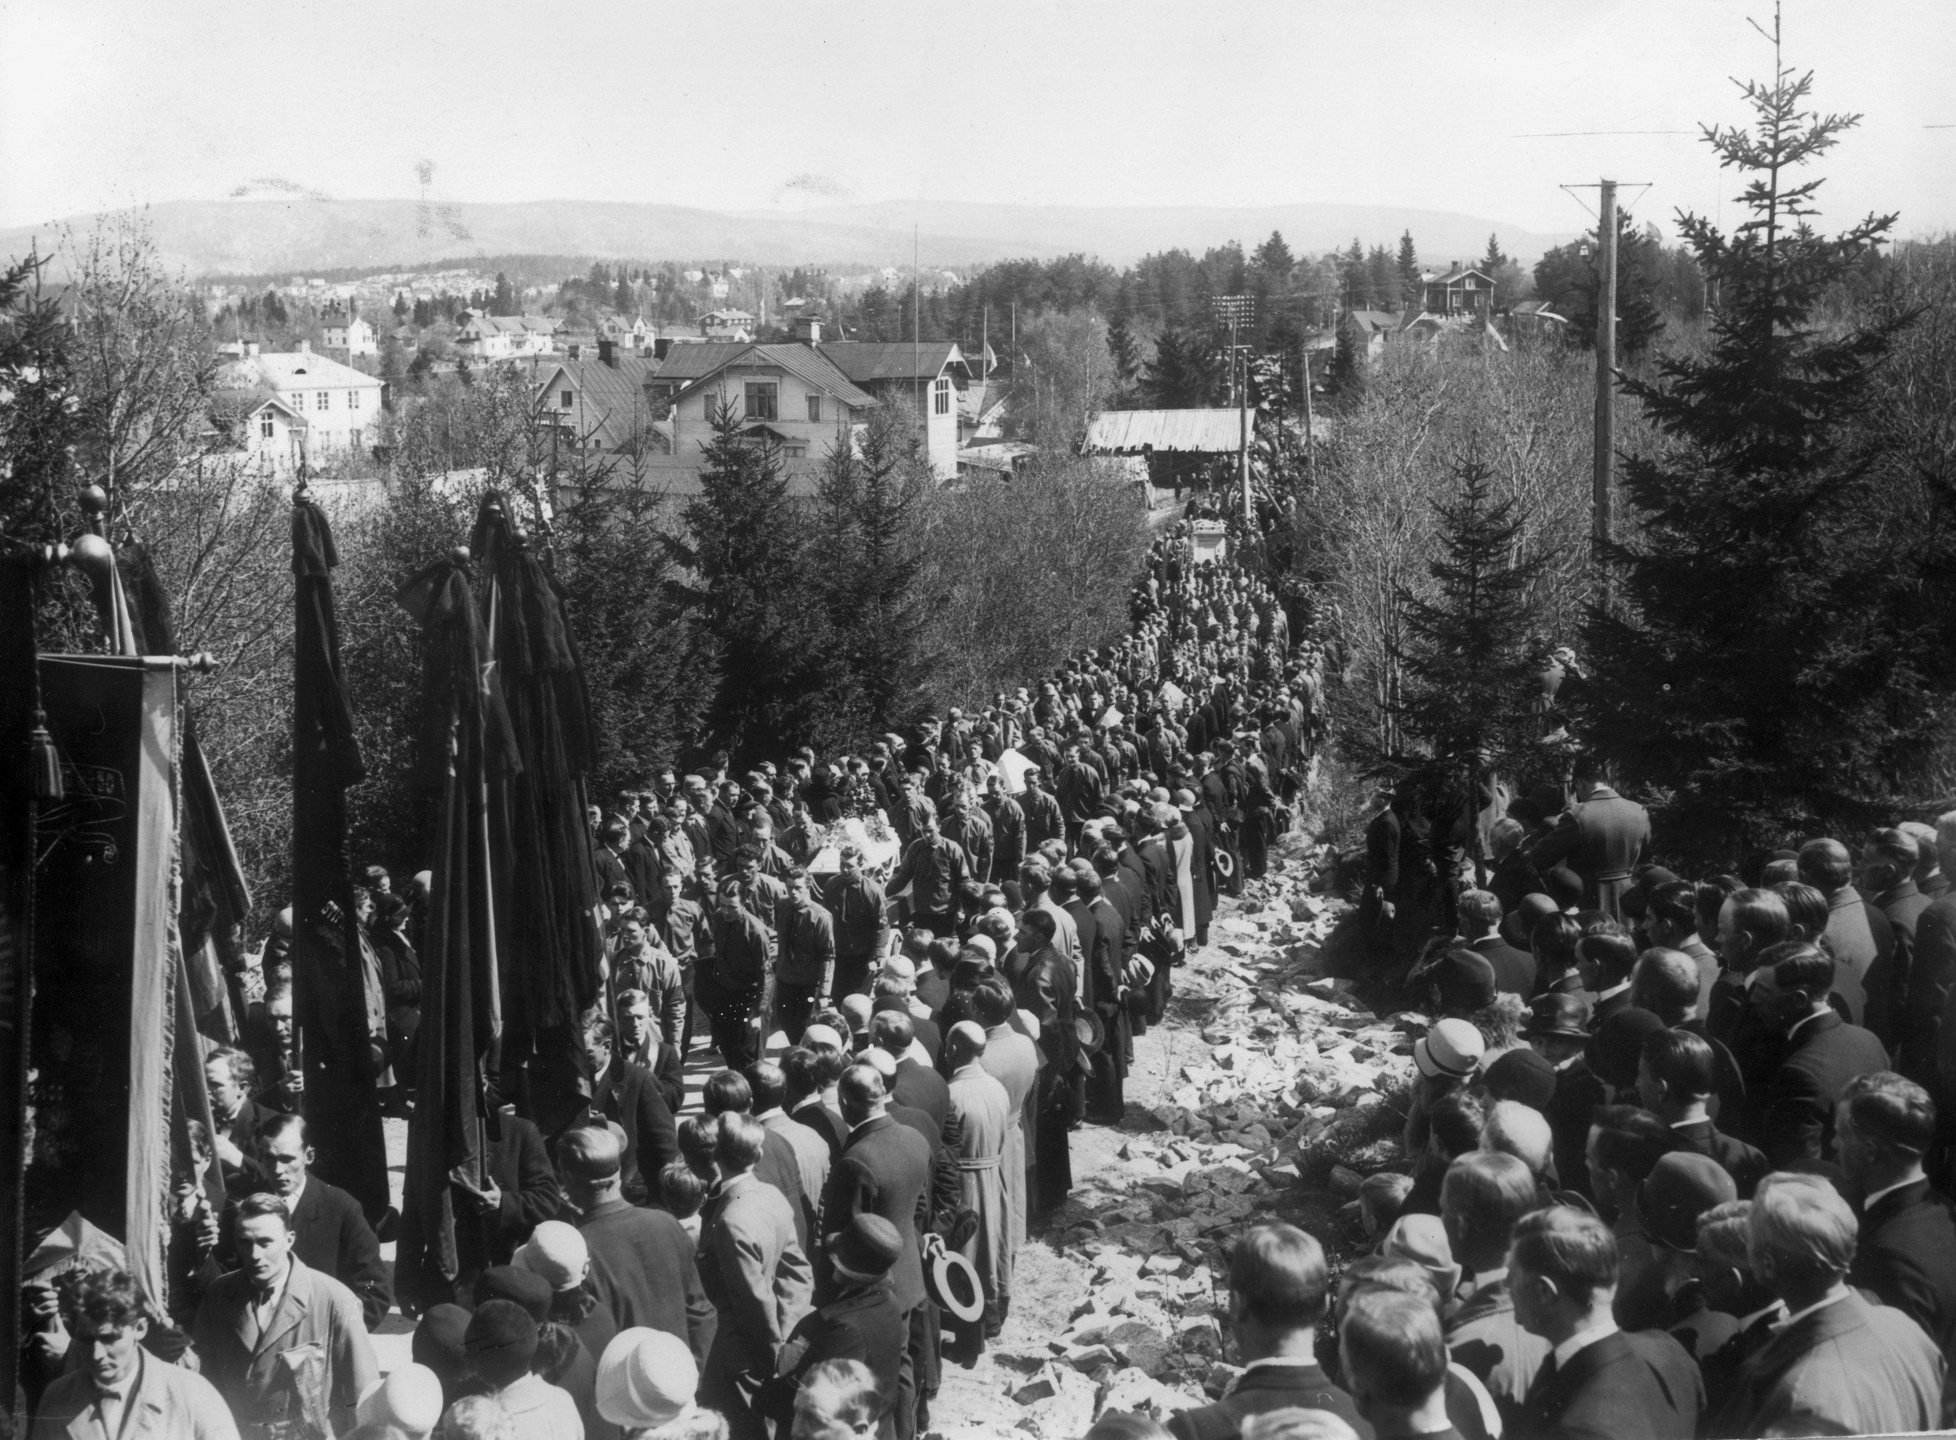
x=1041 y=720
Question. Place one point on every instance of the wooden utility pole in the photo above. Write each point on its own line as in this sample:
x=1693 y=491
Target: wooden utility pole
x=1310 y=442
x=1605 y=462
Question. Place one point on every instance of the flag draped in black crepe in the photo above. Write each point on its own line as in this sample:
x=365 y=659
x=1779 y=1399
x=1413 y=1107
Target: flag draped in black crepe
x=334 y=984
x=465 y=751
x=555 y=942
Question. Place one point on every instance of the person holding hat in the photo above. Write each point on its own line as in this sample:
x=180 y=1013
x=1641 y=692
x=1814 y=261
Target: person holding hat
x=647 y=1381
x=886 y=1170
x=860 y=1322
x=985 y=1120
x=501 y=1343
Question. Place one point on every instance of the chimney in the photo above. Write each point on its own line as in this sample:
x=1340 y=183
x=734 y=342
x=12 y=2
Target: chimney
x=808 y=329
x=251 y=350
x=305 y=347
x=608 y=351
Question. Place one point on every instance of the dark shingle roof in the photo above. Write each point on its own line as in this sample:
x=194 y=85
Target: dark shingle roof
x=868 y=361
x=611 y=398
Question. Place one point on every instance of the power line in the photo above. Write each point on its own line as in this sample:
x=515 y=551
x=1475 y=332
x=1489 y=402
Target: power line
x=1567 y=134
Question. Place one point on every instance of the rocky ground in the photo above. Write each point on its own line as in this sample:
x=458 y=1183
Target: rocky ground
x=1268 y=1094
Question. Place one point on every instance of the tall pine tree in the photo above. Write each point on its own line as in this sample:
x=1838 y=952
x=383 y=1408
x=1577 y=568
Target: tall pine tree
x=1470 y=677
x=1410 y=289
x=744 y=558
x=1783 y=649
x=871 y=579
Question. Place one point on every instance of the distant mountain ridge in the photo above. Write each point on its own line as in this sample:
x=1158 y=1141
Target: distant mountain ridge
x=301 y=234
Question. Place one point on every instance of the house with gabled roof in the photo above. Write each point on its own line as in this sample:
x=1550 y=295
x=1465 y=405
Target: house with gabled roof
x=788 y=393
x=602 y=404
x=929 y=374
x=481 y=336
x=338 y=404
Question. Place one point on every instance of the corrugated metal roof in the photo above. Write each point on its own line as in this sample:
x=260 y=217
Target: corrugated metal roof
x=1171 y=432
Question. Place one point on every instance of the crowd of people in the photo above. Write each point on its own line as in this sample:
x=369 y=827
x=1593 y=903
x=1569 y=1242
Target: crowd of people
x=956 y=932
x=1679 y=1146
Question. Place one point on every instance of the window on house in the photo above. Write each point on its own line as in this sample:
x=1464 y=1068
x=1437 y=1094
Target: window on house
x=712 y=406
x=815 y=408
x=564 y=400
x=760 y=400
x=794 y=452
x=266 y=425
x=353 y=399
x=323 y=400
x=943 y=394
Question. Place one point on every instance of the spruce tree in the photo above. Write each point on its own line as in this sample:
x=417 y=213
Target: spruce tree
x=1186 y=372
x=1273 y=257
x=1470 y=676
x=1358 y=280
x=743 y=553
x=1410 y=290
x=1782 y=648
x=504 y=300
x=624 y=298
x=871 y=578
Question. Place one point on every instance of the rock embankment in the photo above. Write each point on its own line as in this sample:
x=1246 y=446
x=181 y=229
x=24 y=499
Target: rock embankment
x=1270 y=1093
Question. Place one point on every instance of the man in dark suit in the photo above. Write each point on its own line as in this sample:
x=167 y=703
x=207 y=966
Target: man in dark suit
x=914 y=1084
x=886 y=1171
x=1480 y=924
x=1823 y=1053
x=627 y=1093
x=1888 y=864
x=1391 y=1353
x=1278 y=1292
x=522 y=1193
x=1676 y=1073
x=1906 y=1256
x=1602 y=837
x=801 y=1068
x=229 y=1076
x=608 y=857
x=1931 y=978
x=1598 y=1383
x=1835 y=1365
x=641 y=1261
x=861 y=1323
x=330 y=1234
x=1858 y=934
x=1512 y=876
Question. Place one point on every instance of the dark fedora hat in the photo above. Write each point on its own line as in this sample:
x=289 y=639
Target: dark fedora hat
x=1518 y=927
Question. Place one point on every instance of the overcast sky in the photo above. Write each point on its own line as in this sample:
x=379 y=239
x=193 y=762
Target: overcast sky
x=1436 y=105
